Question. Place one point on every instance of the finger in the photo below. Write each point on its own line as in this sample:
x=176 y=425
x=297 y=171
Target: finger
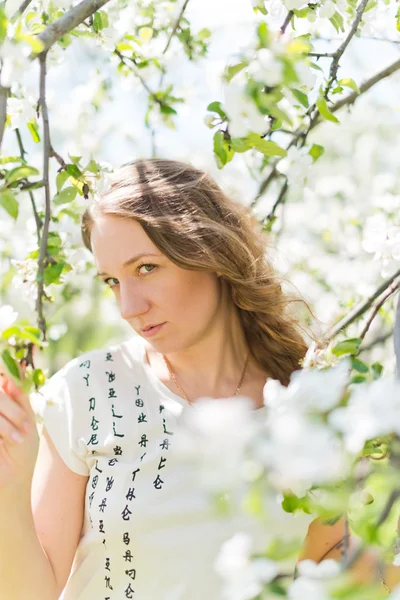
x=13 y=390
x=9 y=433
x=13 y=412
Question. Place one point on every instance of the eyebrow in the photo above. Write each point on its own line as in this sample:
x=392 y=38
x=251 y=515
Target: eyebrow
x=132 y=260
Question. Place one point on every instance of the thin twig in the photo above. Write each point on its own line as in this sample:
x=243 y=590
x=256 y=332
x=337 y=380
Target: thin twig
x=346 y=540
x=381 y=339
x=46 y=159
x=278 y=201
x=21 y=10
x=392 y=288
x=340 y=51
x=359 y=310
x=38 y=220
x=176 y=25
x=321 y=54
x=286 y=22
x=4 y=91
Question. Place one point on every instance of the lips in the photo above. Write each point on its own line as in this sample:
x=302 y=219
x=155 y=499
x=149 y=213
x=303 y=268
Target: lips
x=151 y=327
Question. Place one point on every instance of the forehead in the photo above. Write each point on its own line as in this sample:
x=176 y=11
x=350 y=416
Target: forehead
x=115 y=240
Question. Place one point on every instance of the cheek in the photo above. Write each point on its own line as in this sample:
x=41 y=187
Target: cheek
x=194 y=293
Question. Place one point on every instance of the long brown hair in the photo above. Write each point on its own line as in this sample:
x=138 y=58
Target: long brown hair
x=197 y=226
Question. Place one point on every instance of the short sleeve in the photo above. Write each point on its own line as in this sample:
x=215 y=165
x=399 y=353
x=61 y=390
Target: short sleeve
x=65 y=420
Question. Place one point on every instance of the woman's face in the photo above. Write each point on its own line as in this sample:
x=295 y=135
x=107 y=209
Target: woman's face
x=152 y=289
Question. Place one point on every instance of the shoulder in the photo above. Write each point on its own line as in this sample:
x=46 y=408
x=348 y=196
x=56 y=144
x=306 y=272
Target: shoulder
x=123 y=357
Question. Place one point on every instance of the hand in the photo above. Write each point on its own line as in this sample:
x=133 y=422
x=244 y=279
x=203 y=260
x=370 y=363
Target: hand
x=17 y=460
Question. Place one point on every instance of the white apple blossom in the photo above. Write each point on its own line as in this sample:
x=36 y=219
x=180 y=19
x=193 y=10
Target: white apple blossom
x=20 y=111
x=243 y=114
x=309 y=390
x=396 y=560
x=15 y=61
x=373 y=410
x=25 y=279
x=296 y=164
x=291 y=4
x=244 y=577
x=313 y=580
x=327 y=10
x=383 y=239
x=306 y=76
x=266 y=68
x=7 y=316
x=311 y=16
x=222 y=428
x=290 y=462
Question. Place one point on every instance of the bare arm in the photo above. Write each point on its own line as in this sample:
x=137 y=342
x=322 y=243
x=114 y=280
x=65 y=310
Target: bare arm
x=58 y=502
x=25 y=570
x=326 y=541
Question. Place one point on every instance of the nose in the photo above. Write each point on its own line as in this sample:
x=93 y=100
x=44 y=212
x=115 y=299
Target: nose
x=132 y=303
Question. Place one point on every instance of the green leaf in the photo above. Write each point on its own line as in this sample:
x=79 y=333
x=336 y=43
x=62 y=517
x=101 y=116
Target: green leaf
x=337 y=22
x=265 y=146
x=324 y=110
x=97 y=22
x=232 y=70
x=20 y=173
x=52 y=273
x=66 y=195
x=359 y=365
x=104 y=18
x=316 y=151
x=167 y=110
x=9 y=203
x=74 y=170
x=301 y=97
x=3 y=24
x=204 y=34
x=350 y=83
x=217 y=107
x=33 y=128
x=349 y=346
x=61 y=179
x=10 y=331
x=219 y=151
x=376 y=369
x=11 y=364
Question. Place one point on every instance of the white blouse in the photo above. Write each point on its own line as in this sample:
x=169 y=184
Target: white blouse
x=149 y=529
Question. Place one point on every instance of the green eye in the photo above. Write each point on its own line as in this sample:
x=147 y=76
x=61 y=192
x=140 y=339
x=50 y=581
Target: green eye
x=108 y=279
x=146 y=265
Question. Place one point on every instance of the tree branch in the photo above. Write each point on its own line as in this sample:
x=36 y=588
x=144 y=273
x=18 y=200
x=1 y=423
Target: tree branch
x=67 y=22
x=46 y=159
x=359 y=310
x=364 y=87
x=350 y=99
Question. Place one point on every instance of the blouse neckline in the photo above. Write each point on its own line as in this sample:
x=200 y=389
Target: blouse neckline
x=138 y=342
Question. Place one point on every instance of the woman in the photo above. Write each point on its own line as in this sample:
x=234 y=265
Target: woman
x=115 y=516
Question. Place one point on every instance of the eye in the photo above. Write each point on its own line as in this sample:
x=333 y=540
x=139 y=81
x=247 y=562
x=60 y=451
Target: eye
x=146 y=265
x=137 y=268
x=108 y=279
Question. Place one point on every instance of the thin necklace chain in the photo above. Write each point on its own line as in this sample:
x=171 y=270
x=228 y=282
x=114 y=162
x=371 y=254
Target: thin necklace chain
x=182 y=391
